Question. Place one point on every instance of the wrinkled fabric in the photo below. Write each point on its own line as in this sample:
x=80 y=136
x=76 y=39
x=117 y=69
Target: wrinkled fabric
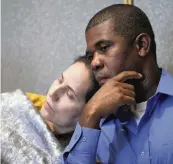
x=25 y=137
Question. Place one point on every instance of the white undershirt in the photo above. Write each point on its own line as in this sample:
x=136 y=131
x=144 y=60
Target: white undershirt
x=140 y=110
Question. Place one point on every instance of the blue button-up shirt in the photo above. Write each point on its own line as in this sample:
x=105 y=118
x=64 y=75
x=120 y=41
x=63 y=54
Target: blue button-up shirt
x=149 y=142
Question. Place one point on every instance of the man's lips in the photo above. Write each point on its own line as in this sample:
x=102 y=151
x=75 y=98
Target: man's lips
x=102 y=80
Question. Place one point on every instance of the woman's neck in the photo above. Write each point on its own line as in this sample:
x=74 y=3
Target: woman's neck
x=63 y=139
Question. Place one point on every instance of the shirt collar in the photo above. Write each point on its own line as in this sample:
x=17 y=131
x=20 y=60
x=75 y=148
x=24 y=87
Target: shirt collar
x=165 y=84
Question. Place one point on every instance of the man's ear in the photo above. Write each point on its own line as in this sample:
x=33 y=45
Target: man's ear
x=143 y=43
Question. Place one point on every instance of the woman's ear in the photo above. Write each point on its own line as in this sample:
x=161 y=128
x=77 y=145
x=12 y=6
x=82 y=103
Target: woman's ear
x=143 y=43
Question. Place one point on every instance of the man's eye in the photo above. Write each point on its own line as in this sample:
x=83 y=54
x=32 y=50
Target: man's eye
x=89 y=57
x=104 y=48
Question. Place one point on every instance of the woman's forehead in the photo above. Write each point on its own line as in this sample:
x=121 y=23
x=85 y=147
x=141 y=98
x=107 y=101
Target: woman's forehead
x=77 y=71
x=77 y=76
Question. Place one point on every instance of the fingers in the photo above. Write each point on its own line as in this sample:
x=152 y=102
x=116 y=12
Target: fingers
x=127 y=86
x=129 y=93
x=123 y=76
x=128 y=100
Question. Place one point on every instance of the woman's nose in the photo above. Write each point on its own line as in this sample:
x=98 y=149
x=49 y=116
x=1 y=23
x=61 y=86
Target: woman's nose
x=54 y=96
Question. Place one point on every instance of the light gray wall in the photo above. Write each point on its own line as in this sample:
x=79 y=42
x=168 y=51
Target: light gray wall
x=40 y=38
x=160 y=14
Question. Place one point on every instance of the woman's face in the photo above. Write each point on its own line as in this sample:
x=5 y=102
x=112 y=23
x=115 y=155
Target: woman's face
x=66 y=97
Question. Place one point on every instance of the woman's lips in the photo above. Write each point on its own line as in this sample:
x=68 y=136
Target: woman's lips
x=47 y=106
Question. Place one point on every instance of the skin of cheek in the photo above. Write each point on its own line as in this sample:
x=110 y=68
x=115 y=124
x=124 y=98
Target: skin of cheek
x=47 y=115
x=65 y=112
x=114 y=65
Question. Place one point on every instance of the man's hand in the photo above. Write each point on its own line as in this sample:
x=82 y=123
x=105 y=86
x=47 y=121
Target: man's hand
x=108 y=98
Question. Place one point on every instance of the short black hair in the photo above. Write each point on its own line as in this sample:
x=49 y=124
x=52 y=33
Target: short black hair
x=94 y=84
x=128 y=21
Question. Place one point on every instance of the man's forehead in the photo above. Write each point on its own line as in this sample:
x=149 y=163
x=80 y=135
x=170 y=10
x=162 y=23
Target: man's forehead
x=102 y=28
x=103 y=31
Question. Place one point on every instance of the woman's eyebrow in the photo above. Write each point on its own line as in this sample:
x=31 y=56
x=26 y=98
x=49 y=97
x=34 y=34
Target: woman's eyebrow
x=62 y=77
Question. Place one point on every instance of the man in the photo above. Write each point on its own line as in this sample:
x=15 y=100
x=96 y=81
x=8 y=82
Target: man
x=129 y=120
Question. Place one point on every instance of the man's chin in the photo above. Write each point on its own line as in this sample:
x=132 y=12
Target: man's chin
x=103 y=81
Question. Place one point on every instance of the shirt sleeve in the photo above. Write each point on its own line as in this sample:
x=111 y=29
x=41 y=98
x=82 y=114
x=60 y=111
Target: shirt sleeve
x=82 y=147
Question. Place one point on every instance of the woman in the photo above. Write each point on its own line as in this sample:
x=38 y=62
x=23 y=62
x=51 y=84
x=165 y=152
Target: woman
x=66 y=98
x=26 y=138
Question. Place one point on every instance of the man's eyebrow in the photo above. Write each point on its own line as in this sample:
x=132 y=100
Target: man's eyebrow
x=103 y=41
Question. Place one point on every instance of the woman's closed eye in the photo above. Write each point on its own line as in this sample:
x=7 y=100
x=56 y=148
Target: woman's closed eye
x=70 y=94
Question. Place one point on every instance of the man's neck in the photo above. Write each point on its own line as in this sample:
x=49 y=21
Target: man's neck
x=148 y=86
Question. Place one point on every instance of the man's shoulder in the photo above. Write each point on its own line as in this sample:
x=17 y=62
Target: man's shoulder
x=166 y=83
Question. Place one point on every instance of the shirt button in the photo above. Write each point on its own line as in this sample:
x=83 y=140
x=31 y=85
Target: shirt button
x=143 y=153
x=84 y=139
x=150 y=158
x=122 y=130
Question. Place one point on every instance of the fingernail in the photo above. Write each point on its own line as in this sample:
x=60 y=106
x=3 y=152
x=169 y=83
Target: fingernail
x=140 y=74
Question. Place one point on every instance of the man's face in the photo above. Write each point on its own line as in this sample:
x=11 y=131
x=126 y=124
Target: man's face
x=109 y=53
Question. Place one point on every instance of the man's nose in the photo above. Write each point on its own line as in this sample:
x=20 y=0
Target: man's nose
x=97 y=62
